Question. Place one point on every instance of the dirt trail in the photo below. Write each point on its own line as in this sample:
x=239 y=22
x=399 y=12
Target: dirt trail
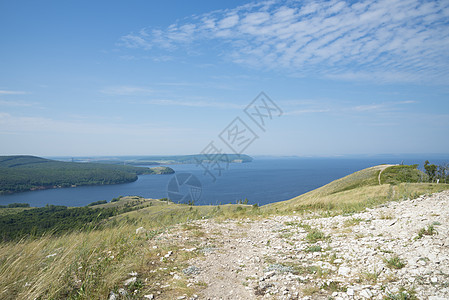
x=382 y=168
x=275 y=259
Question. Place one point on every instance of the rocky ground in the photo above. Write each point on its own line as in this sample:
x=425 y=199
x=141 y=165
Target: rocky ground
x=396 y=251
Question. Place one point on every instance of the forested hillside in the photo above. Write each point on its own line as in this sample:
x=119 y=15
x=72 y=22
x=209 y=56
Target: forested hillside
x=23 y=173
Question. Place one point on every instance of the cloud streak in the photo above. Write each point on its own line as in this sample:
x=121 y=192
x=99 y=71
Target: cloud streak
x=385 y=40
x=8 y=92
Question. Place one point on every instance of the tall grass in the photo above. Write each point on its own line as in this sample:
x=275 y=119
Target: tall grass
x=91 y=264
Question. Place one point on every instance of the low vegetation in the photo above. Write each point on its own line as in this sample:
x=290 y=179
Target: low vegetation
x=394 y=262
x=429 y=230
x=85 y=253
x=362 y=189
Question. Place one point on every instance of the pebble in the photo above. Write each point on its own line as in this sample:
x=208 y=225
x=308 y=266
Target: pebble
x=270 y=258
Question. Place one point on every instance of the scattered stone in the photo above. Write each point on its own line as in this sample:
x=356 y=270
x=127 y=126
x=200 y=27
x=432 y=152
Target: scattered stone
x=149 y=297
x=191 y=270
x=366 y=294
x=177 y=277
x=344 y=271
x=113 y=296
x=130 y=280
x=140 y=230
x=268 y=258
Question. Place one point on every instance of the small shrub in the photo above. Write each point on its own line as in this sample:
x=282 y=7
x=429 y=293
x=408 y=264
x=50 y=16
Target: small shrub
x=403 y=294
x=97 y=203
x=352 y=222
x=333 y=286
x=430 y=230
x=315 y=248
x=371 y=276
x=315 y=235
x=394 y=262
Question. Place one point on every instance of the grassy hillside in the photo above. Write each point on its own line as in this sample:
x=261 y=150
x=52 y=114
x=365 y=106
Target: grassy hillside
x=362 y=189
x=22 y=173
x=92 y=261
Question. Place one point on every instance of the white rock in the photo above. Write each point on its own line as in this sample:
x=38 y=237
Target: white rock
x=140 y=230
x=434 y=280
x=366 y=294
x=112 y=296
x=269 y=274
x=350 y=292
x=176 y=277
x=130 y=280
x=344 y=271
x=168 y=254
x=150 y=296
x=338 y=261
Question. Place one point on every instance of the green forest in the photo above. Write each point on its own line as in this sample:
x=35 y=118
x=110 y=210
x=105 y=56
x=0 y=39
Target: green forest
x=24 y=173
x=52 y=218
x=18 y=220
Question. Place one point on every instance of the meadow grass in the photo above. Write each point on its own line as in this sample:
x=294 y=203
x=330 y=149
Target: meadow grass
x=90 y=264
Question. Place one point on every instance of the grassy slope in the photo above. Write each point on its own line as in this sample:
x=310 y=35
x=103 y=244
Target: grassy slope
x=88 y=265
x=361 y=189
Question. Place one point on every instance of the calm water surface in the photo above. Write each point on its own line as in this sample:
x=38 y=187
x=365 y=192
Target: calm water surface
x=261 y=181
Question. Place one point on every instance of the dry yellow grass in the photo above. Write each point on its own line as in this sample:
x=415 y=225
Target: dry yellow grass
x=89 y=265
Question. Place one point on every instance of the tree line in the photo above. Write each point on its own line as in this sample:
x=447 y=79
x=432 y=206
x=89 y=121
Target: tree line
x=436 y=173
x=23 y=173
x=57 y=219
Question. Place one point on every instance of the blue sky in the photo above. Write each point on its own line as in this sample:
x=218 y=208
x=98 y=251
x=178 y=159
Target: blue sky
x=166 y=77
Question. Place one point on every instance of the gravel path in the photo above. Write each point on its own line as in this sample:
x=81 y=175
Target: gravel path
x=399 y=250
x=400 y=247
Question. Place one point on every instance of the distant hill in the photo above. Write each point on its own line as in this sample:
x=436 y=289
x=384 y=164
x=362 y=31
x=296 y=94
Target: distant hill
x=165 y=159
x=23 y=173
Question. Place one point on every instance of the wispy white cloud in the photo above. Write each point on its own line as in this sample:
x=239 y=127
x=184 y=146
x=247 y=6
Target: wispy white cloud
x=9 y=92
x=382 y=106
x=343 y=108
x=198 y=104
x=126 y=90
x=16 y=103
x=382 y=40
x=305 y=111
x=14 y=124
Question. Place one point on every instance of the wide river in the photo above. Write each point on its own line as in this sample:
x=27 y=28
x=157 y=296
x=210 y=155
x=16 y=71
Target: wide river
x=265 y=180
